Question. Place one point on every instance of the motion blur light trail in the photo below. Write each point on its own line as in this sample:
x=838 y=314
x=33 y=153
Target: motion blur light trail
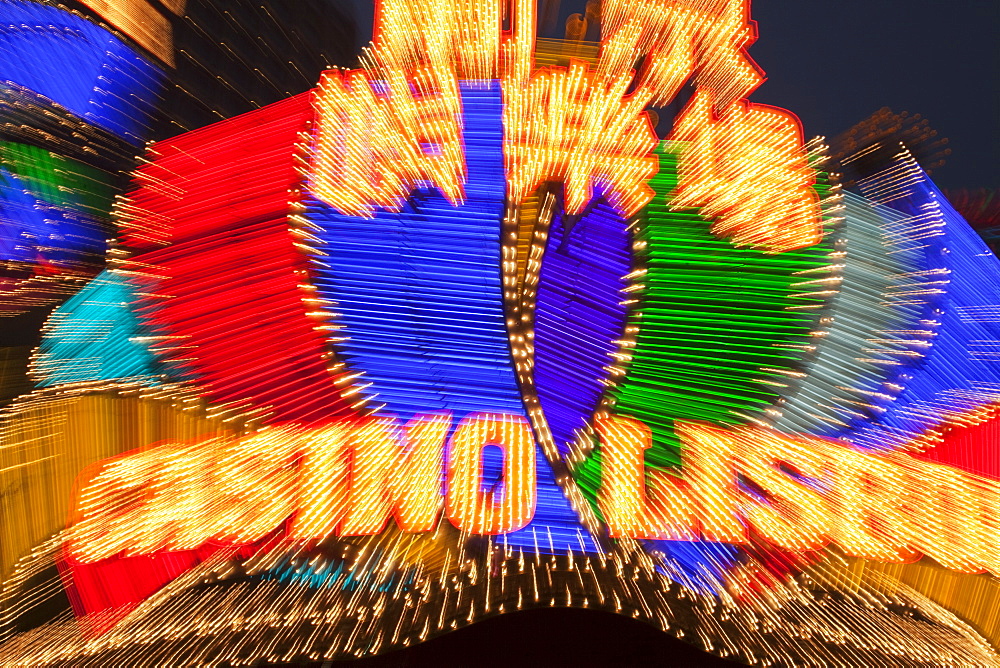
x=959 y=333
x=217 y=200
x=457 y=334
x=75 y=106
x=107 y=84
x=96 y=336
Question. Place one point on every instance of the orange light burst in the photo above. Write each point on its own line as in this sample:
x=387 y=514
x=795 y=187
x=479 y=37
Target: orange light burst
x=746 y=168
x=464 y=36
x=706 y=38
x=663 y=510
x=398 y=126
x=581 y=127
x=349 y=479
x=415 y=480
x=353 y=478
x=497 y=511
x=886 y=506
x=324 y=490
x=378 y=140
x=799 y=493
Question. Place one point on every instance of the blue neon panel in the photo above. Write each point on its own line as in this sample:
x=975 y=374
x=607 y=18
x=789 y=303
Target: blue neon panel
x=78 y=65
x=579 y=316
x=35 y=231
x=960 y=370
x=22 y=224
x=420 y=300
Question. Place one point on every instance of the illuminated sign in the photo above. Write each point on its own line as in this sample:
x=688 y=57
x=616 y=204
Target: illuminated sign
x=352 y=479
x=456 y=334
x=383 y=131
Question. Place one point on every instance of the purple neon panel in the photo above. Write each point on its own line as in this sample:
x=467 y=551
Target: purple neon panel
x=579 y=316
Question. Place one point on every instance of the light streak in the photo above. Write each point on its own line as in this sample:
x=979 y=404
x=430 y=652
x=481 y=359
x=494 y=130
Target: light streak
x=706 y=38
x=373 y=148
x=413 y=277
x=581 y=128
x=746 y=169
x=805 y=494
x=502 y=510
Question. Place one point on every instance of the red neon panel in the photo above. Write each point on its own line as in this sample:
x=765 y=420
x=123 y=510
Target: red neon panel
x=973 y=449
x=227 y=290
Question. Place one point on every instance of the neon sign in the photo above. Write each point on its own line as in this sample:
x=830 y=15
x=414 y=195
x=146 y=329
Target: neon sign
x=455 y=334
x=383 y=131
x=351 y=479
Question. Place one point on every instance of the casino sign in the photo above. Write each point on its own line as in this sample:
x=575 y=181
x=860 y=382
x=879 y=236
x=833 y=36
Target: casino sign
x=497 y=322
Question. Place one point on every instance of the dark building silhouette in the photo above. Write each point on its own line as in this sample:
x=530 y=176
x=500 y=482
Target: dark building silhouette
x=226 y=57
x=233 y=56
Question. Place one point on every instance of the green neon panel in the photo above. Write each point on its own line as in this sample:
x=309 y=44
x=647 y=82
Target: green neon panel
x=713 y=315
